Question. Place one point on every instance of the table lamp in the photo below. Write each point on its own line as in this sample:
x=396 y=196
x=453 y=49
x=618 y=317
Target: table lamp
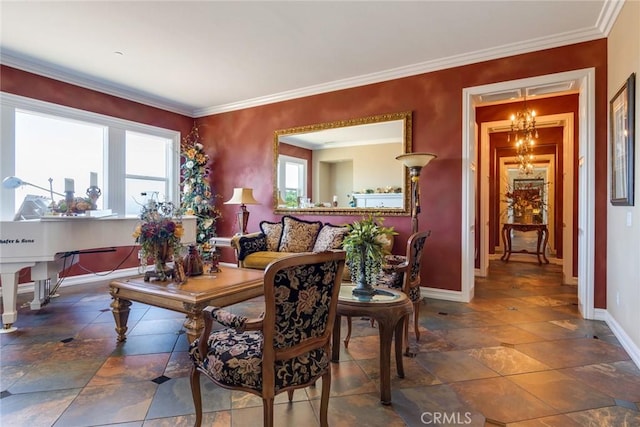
x=415 y=162
x=242 y=197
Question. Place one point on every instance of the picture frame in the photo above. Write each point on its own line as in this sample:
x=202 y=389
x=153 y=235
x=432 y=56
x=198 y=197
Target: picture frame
x=622 y=140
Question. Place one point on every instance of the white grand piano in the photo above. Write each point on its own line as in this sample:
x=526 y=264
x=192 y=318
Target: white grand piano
x=44 y=246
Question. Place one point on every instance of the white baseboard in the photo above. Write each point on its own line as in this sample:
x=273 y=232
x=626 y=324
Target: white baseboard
x=443 y=294
x=85 y=278
x=619 y=332
x=97 y=277
x=573 y=281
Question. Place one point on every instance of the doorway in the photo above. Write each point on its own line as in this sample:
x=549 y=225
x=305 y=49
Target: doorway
x=585 y=81
x=561 y=182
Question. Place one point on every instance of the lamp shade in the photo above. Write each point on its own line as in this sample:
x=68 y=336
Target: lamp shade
x=242 y=196
x=12 y=182
x=416 y=160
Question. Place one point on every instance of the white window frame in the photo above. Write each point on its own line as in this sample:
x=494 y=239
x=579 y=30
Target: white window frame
x=282 y=181
x=114 y=180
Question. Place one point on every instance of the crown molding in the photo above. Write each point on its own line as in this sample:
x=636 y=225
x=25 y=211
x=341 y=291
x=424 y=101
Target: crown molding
x=66 y=75
x=610 y=11
x=605 y=22
x=411 y=70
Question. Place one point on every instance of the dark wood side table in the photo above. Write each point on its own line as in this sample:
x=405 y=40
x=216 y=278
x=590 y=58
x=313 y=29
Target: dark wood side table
x=543 y=239
x=390 y=309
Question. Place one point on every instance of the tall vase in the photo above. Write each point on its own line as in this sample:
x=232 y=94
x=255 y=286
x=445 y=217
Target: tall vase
x=162 y=255
x=363 y=287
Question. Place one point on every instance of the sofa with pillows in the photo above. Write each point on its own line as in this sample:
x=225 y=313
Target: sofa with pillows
x=288 y=236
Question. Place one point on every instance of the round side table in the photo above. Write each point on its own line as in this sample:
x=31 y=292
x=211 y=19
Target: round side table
x=390 y=308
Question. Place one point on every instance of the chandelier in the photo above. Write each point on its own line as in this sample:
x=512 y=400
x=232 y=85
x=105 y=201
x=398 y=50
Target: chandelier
x=524 y=133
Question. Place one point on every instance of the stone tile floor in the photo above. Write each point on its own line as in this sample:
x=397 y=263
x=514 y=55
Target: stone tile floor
x=518 y=355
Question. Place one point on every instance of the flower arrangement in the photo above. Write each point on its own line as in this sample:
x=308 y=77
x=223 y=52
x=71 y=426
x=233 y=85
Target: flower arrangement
x=364 y=247
x=526 y=197
x=159 y=235
x=196 y=191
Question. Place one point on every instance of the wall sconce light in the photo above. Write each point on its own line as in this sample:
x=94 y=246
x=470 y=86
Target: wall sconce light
x=242 y=197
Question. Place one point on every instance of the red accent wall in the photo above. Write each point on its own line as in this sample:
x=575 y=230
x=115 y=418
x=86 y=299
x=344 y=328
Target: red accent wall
x=436 y=102
x=240 y=142
x=45 y=89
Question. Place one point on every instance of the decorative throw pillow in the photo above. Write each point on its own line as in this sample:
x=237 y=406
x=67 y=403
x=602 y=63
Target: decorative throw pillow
x=273 y=231
x=330 y=237
x=298 y=235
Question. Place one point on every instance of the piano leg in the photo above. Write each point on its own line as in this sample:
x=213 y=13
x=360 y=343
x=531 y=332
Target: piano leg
x=9 y=276
x=41 y=289
x=43 y=274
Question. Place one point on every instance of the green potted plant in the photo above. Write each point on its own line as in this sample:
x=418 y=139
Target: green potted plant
x=365 y=251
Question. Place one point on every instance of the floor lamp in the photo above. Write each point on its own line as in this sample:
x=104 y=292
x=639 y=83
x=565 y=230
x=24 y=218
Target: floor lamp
x=242 y=197
x=415 y=162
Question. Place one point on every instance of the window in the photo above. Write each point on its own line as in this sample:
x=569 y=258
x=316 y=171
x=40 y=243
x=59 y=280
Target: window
x=292 y=178
x=148 y=160
x=42 y=141
x=56 y=148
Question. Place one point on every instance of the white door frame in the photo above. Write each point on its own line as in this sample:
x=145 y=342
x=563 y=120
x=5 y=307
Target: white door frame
x=586 y=179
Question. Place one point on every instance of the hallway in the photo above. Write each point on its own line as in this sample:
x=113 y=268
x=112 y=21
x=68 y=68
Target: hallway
x=518 y=355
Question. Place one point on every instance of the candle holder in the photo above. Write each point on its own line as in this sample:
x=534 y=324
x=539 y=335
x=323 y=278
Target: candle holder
x=94 y=193
x=69 y=199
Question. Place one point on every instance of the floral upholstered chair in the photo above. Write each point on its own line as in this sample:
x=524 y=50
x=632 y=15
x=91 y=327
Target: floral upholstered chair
x=403 y=272
x=287 y=348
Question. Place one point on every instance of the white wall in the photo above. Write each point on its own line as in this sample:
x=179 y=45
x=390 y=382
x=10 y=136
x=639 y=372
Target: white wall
x=623 y=240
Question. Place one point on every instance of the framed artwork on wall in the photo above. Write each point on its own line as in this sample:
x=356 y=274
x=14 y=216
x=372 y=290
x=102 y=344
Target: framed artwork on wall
x=622 y=127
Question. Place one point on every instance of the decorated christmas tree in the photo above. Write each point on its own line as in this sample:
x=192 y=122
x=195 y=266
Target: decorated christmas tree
x=197 y=197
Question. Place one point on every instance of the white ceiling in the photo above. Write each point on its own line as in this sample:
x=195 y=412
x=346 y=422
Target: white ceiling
x=204 y=57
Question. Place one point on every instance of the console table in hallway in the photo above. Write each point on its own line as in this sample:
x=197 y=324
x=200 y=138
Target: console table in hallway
x=543 y=239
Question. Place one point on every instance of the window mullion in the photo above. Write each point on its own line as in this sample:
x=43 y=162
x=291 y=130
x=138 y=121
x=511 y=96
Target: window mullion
x=7 y=156
x=116 y=169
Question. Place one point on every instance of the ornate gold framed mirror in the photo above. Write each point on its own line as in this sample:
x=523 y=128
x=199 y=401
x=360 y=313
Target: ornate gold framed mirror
x=347 y=167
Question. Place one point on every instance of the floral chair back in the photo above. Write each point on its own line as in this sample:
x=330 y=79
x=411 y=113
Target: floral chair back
x=288 y=347
x=403 y=271
x=415 y=247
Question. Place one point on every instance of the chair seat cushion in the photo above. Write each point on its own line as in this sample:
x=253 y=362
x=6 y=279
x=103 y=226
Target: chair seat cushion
x=261 y=259
x=235 y=359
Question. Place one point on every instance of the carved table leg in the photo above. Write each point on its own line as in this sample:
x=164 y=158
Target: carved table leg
x=538 y=253
x=545 y=230
x=120 y=310
x=506 y=243
x=194 y=324
x=386 y=329
x=399 y=344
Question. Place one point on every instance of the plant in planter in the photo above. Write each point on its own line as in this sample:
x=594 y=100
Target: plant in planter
x=364 y=247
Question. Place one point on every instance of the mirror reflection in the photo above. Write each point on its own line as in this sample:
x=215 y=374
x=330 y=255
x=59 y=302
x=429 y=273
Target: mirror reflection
x=347 y=167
